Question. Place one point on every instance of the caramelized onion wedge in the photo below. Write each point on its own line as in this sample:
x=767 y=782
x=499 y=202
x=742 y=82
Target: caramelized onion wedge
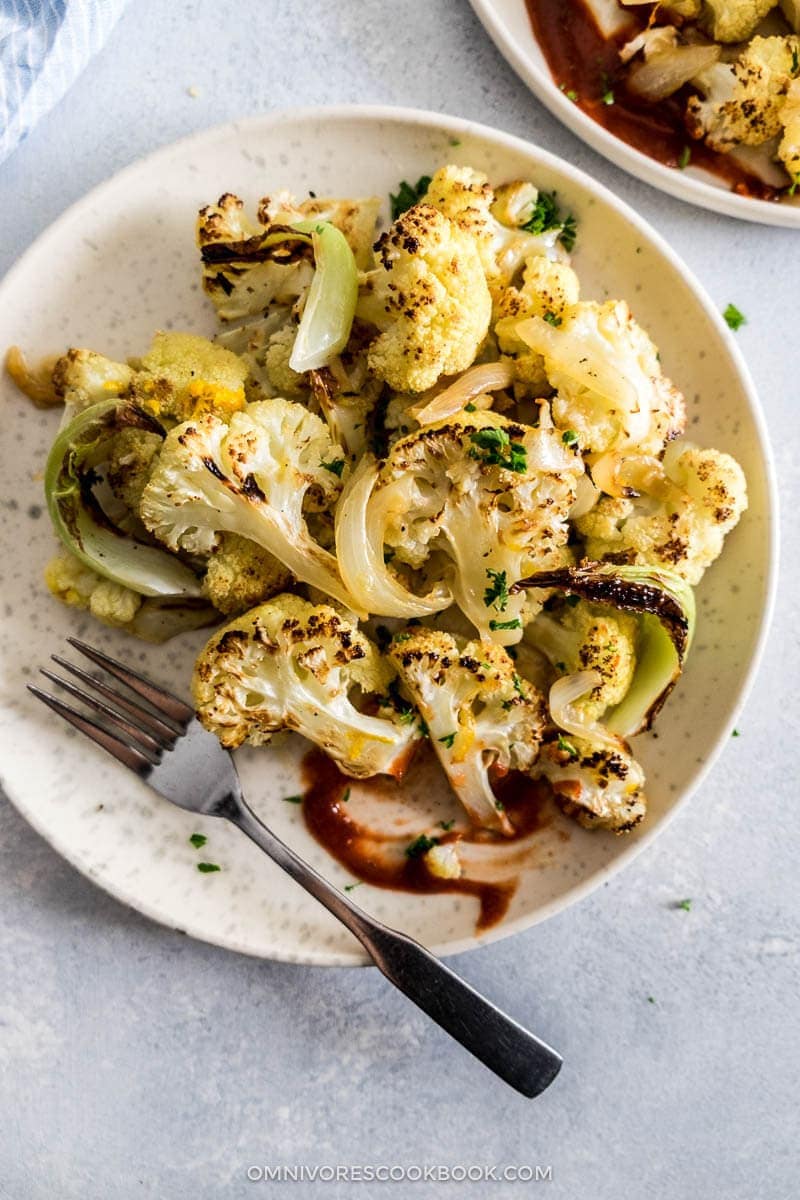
x=665 y=604
x=35 y=382
x=487 y=377
x=664 y=73
x=81 y=523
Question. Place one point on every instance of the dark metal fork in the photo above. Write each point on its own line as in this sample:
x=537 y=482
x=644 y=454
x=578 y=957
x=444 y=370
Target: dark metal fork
x=163 y=743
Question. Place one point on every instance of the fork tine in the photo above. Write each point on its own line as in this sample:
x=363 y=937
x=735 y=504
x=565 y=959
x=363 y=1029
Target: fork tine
x=145 y=740
x=164 y=732
x=95 y=732
x=164 y=701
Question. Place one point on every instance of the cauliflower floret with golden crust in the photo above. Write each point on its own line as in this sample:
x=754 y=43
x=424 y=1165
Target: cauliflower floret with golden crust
x=428 y=298
x=548 y=290
x=184 y=376
x=679 y=522
x=611 y=392
x=734 y=20
x=588 y=637
x=600 y=786
x=789 y=148
x=83 y=377
x=76 y=585
x=241 y=574
x=498 y=221
x=470 y=503
x=743 y=100
x=132 y=454
x=290 y=664
x=479 y=712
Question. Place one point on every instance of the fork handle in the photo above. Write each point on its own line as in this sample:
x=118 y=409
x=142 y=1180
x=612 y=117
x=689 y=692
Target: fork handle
x=517 y=1056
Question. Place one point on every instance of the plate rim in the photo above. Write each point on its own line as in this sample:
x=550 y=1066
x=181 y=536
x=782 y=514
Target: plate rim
x=446 y=124
x=679 y=184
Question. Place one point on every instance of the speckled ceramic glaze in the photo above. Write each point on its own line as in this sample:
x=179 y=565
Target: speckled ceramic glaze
x=508 y=24
x=121 y=264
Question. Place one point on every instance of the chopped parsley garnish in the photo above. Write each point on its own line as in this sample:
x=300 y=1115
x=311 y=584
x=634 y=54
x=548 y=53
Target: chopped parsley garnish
x=685 y=158
x=423 y=728
x=686 y=905
x=402 y=637
x=408 y=194
x=198 y=840
x=566 y=746
x=292 y=799
x=469 y=407
x=345 y=795
x=447 y=740
x=455 y=141
x=571 y=94
x=207 y=868
x=498 y=450
x=421 y=845
x=569 y=232
x=608 y=92
x=518 y=685
x=546 y=215
x=651 y=999
x=349 y=887
x=795 y=185
x=447 y=825
x=335 y=466
x=552 y=319
x=735 y=733
x=496 y=594
x=734 y=318
x=515 y=624
x=569 y=437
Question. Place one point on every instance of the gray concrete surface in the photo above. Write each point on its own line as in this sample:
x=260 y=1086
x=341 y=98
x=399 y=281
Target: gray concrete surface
x=137 y=1063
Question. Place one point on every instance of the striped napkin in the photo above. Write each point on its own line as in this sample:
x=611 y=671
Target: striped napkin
x=44 y=46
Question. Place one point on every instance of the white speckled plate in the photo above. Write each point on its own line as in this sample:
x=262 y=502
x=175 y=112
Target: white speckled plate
x=508 y=25
x=122 y=263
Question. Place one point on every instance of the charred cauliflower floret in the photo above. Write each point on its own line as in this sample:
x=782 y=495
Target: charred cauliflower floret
x=241 y=574
x=611 y=392
x=734 y=20
x=742 y=101
x=548 y=290
x=429 y=299
x=789 y=148
x=469 y=504
x=259 y=477
x=480 y=714
x=599 y=785
x=589 y=637
x=292 y=665
x=679 y=522
x=505 y=225
x=82 y=378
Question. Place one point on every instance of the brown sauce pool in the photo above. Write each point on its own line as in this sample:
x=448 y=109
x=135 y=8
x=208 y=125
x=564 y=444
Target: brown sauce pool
x=380 y=859
x=585 y=63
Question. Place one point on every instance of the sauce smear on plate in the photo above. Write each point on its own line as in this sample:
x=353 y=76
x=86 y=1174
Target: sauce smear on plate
x=379 y=856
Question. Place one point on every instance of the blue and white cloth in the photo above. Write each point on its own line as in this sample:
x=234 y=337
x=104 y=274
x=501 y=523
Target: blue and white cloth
x=44 y=46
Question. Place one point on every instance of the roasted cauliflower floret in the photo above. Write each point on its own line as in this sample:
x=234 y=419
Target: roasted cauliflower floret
x=507 y=227
x=734 y=20
x=599 y=785
x=76 y=585
x=611 y=392
x=789 y=148
x=742 y=101
x=290 y=664
x=241 y=574
x=588 y=637
x=428 y=298
x=548 y=290
x=680 y=522
x=471 y=504
x=183 y=376
x=83 y=377
x=259 y=477
x=132 y=455
x=480 y=714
